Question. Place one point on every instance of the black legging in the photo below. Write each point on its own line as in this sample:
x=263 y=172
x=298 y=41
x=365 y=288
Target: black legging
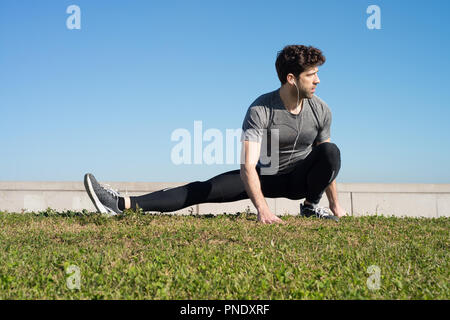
x=309 y=179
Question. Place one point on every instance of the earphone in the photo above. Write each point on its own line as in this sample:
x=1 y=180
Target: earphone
x=296 y=123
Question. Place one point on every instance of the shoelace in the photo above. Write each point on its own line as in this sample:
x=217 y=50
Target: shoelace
x=322 y=212
x=110 y=190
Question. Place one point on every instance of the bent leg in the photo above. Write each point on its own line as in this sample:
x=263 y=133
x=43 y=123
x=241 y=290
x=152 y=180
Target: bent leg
x=314 y=173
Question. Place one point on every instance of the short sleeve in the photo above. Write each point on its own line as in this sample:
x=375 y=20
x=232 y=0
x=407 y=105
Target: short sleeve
x=324 y=130
x=254 y=124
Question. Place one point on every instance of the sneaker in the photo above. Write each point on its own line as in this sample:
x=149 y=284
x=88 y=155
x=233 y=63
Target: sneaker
x=105 y=199
x=318 y=212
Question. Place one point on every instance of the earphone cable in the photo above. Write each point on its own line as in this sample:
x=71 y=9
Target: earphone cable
x=296 y=124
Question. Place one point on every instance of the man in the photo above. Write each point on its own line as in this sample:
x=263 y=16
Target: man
x=303 y=161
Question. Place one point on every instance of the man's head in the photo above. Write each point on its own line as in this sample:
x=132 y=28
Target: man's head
x=297 y=66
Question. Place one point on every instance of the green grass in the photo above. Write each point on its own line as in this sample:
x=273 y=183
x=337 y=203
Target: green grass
x=140 y=256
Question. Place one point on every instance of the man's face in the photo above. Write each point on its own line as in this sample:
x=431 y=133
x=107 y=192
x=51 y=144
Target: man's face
x=308 y=81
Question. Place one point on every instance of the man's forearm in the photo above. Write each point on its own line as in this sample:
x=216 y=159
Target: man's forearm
x=253 y=187
x=332 y=195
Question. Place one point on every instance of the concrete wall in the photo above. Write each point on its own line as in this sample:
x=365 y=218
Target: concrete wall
x=416 y=200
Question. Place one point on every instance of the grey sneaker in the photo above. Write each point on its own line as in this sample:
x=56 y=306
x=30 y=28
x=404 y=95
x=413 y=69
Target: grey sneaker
x=105 y=199
x=318 y=212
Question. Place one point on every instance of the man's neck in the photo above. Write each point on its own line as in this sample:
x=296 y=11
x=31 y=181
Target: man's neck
x=289 y=99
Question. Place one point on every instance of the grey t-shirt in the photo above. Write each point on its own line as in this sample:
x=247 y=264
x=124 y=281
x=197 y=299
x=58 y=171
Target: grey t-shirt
x=268 y=121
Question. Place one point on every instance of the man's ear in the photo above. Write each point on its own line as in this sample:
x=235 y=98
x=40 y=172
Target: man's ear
x=291 y=79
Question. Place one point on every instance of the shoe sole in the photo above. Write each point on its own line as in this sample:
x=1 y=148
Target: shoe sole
x=90 y=191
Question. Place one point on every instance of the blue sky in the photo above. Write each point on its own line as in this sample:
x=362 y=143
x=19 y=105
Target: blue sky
x=106 y=98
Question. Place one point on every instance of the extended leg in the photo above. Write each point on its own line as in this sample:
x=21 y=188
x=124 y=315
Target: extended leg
x=225 y=187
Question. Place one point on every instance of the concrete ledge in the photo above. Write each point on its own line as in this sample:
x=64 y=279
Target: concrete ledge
x=415 y=200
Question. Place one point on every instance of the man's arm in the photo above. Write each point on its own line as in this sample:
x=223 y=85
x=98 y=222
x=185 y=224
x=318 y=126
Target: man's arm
x=331 y=192
x=249 y=158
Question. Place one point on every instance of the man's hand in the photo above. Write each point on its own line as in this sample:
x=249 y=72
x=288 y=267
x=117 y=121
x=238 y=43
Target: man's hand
x=338 y=210
x=267 y=217
x=333 y=201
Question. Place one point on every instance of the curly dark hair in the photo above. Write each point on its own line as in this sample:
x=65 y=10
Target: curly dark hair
x=295 y=59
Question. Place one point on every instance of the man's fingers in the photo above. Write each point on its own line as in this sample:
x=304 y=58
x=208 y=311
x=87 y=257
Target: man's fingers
x=271 y=220
x=276 y=220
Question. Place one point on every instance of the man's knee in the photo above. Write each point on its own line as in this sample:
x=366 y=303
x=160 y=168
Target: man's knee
x=331 y=153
